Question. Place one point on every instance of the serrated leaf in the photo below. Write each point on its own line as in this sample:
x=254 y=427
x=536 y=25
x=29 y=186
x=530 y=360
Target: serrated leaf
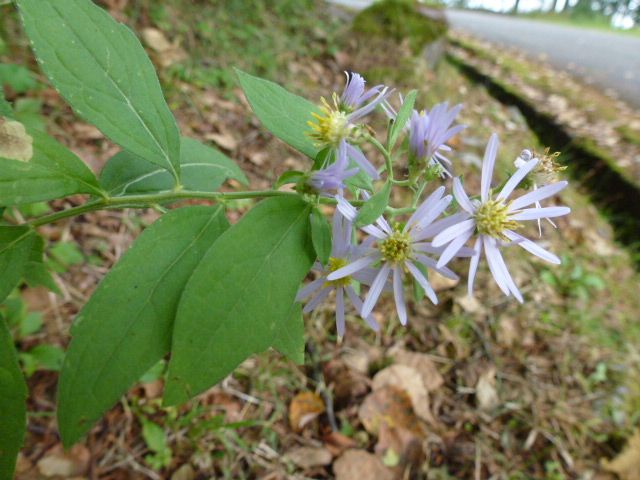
x=320 y=235
x=374 y=207
x=281 y=112
x=202 y=168
x=53 y=172
x=234 y=302
x=289 y=339
x=15 y=250
x=102 y=70
x=125 y=327
x=402 y=118
x=13 y=410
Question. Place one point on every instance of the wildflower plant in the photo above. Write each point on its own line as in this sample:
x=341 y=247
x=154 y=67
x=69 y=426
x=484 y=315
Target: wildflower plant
x=209 y=294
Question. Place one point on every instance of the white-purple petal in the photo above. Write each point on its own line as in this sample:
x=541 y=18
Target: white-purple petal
x=488 y=163
x=454 y=231
x=353 y=267
x=535 y=213
x=398 y=294
x=537 y=195
x=516 y=178
x=532 y=247
x=375 y=290
x=423 y=282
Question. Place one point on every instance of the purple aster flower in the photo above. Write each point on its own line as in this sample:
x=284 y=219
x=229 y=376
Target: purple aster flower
x=398 y=250
x=341 y=253
x=333 y=176
x=495 y=219
x=337 y=123
x=429 y=132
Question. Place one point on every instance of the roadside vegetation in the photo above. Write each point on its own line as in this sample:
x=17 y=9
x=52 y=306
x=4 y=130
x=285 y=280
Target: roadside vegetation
x=483 y=388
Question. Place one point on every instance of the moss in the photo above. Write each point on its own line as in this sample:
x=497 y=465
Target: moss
x=399 y=20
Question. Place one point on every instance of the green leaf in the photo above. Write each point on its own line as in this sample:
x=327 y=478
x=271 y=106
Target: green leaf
x=288 y=177
x=15 y=250
x=13 y=409
x=202 y=168
x=102 y=70
x=5 y=107
x=36 y=272
x=125 y=327
x=401 y=119
x=42 y=357
x=374 y=207
x=53 y=172
x=289 y=339
x=320 y=235
x=31 y=324
x=234 y=302
x=281 y=112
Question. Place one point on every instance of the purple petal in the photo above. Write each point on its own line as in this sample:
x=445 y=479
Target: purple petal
x=488 y=163
x=315 y=301
x=537 y=195
x=430 y=201
x=453 y=248
x=439 y=226
x=340 y=327
x=454 y=231
x=355 y=300
x=461 y=196
x=431 y=215
x=433 y=265
x=535 y=213
x=307 y=290
x=398 y=294
x=358 y=157
x=516 y=178
x=507 y=276
x=375 y=290
x=423 y=282
x=532 y=247
x=353 y=267
x=473 y=265
x=493 y=259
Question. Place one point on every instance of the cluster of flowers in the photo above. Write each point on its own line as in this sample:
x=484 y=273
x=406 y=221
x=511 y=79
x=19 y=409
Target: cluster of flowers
x=390 y=252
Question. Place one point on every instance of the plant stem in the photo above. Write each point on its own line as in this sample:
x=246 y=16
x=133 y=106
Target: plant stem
x=148 y=200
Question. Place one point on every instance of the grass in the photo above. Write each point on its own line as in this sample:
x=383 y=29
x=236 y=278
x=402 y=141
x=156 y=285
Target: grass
x=398 y=20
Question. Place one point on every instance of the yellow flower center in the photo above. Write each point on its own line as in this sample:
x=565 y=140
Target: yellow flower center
x=336 y=264
x=331 y=125
x=492 y=218
x=397 y=246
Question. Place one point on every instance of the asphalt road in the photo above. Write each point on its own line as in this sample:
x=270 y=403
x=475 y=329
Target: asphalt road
x=608 y=60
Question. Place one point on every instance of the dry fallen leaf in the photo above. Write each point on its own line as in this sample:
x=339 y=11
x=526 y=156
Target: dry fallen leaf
x=224 y=140
x=168 y=53
x=423 y=364
x=409 y=380
x=358 y=464
x=57 y=462
x=389 y=405
x=486 y=393
x=627 y=464
x=308 y=457
x=15 y=142
x=304 y=408
x=400 y=444
x=185 y=472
